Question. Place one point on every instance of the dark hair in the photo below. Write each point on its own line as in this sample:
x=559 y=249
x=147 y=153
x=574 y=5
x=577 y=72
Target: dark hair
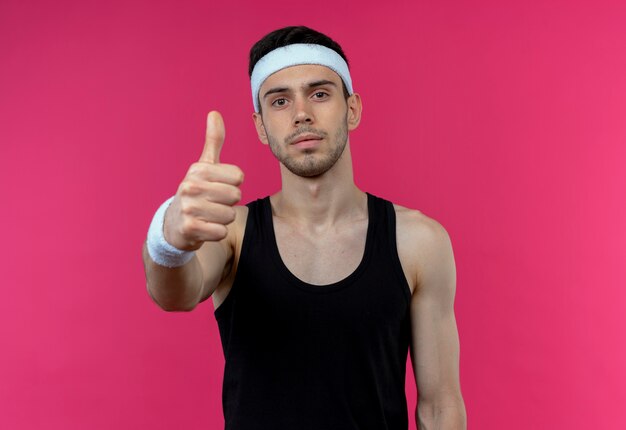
x=288 y=36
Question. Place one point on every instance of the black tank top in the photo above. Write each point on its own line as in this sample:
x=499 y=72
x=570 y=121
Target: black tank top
x=316 y=357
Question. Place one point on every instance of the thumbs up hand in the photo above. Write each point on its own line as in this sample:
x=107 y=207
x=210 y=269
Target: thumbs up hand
x=203 y=205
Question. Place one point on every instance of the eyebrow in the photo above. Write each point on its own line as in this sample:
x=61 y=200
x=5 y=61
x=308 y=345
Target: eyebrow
x=309 y=86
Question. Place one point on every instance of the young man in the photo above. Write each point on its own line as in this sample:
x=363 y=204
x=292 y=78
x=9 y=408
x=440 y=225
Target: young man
x=320 y=289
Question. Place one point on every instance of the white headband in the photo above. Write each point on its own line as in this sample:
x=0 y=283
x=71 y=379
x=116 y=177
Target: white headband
x=293 y=55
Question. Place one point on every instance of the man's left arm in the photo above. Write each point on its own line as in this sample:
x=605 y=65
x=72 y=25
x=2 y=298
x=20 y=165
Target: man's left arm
x=434 y=335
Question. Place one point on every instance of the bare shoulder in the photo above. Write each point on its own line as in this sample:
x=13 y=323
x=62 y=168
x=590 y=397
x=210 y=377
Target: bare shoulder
x=417 y=224
x=420 y=240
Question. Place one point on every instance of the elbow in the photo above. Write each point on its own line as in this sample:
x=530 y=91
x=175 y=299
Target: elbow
x=169 y=306
x=176 y=308
x=445 y=416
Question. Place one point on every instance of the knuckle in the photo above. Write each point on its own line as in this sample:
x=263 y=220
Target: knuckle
x=186 y=188
x=188 y=226
x=186 y=209
x=194 y=169
x=200 y=170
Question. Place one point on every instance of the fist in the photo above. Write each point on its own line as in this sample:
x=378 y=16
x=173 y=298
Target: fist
x=203 y=205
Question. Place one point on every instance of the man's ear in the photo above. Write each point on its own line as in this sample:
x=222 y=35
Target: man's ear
x=260 y=128
x=354 y=111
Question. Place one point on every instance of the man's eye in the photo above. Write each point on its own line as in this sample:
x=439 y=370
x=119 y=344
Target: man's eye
x=320 y=95
x=279 y=102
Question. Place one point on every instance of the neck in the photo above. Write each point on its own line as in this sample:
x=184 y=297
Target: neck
x=320 y=201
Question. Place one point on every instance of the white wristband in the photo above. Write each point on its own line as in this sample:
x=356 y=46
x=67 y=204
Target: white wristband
x=159 y=249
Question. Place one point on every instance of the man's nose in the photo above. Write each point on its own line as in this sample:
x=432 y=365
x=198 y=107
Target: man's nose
x=303 y=113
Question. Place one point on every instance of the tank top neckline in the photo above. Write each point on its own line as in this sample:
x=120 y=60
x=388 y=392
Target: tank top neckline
x=326 y=288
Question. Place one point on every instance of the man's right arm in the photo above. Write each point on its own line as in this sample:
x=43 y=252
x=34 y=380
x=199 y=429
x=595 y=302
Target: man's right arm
x=183 y=288
x=199 y=218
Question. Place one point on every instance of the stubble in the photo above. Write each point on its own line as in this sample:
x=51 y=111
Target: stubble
x=312 y=163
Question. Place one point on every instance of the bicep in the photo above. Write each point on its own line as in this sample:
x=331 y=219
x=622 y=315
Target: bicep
x=434 y=336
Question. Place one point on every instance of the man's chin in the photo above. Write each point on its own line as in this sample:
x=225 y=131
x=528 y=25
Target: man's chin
x=307 y=171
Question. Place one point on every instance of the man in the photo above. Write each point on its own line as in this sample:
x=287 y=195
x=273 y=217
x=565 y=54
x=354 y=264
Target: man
x=320 y=289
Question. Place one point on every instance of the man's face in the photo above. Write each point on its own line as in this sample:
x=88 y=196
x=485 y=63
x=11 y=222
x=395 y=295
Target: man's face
x=305 y=118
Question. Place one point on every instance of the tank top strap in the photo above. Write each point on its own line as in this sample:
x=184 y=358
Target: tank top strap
x=385 y=240
x=264 y=213
x=379 y=217
x=255 y=227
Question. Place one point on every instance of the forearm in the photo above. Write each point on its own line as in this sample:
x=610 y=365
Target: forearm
x=173 y=289
x=451 y=416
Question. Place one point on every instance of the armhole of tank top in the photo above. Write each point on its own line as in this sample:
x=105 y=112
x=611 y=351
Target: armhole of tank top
x=395 y=257
x=219 y=312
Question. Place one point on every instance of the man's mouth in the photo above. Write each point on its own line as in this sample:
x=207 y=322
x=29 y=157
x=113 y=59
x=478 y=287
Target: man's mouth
x=306 y=139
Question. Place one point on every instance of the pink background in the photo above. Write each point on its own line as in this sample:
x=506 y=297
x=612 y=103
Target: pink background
x=504 y=121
